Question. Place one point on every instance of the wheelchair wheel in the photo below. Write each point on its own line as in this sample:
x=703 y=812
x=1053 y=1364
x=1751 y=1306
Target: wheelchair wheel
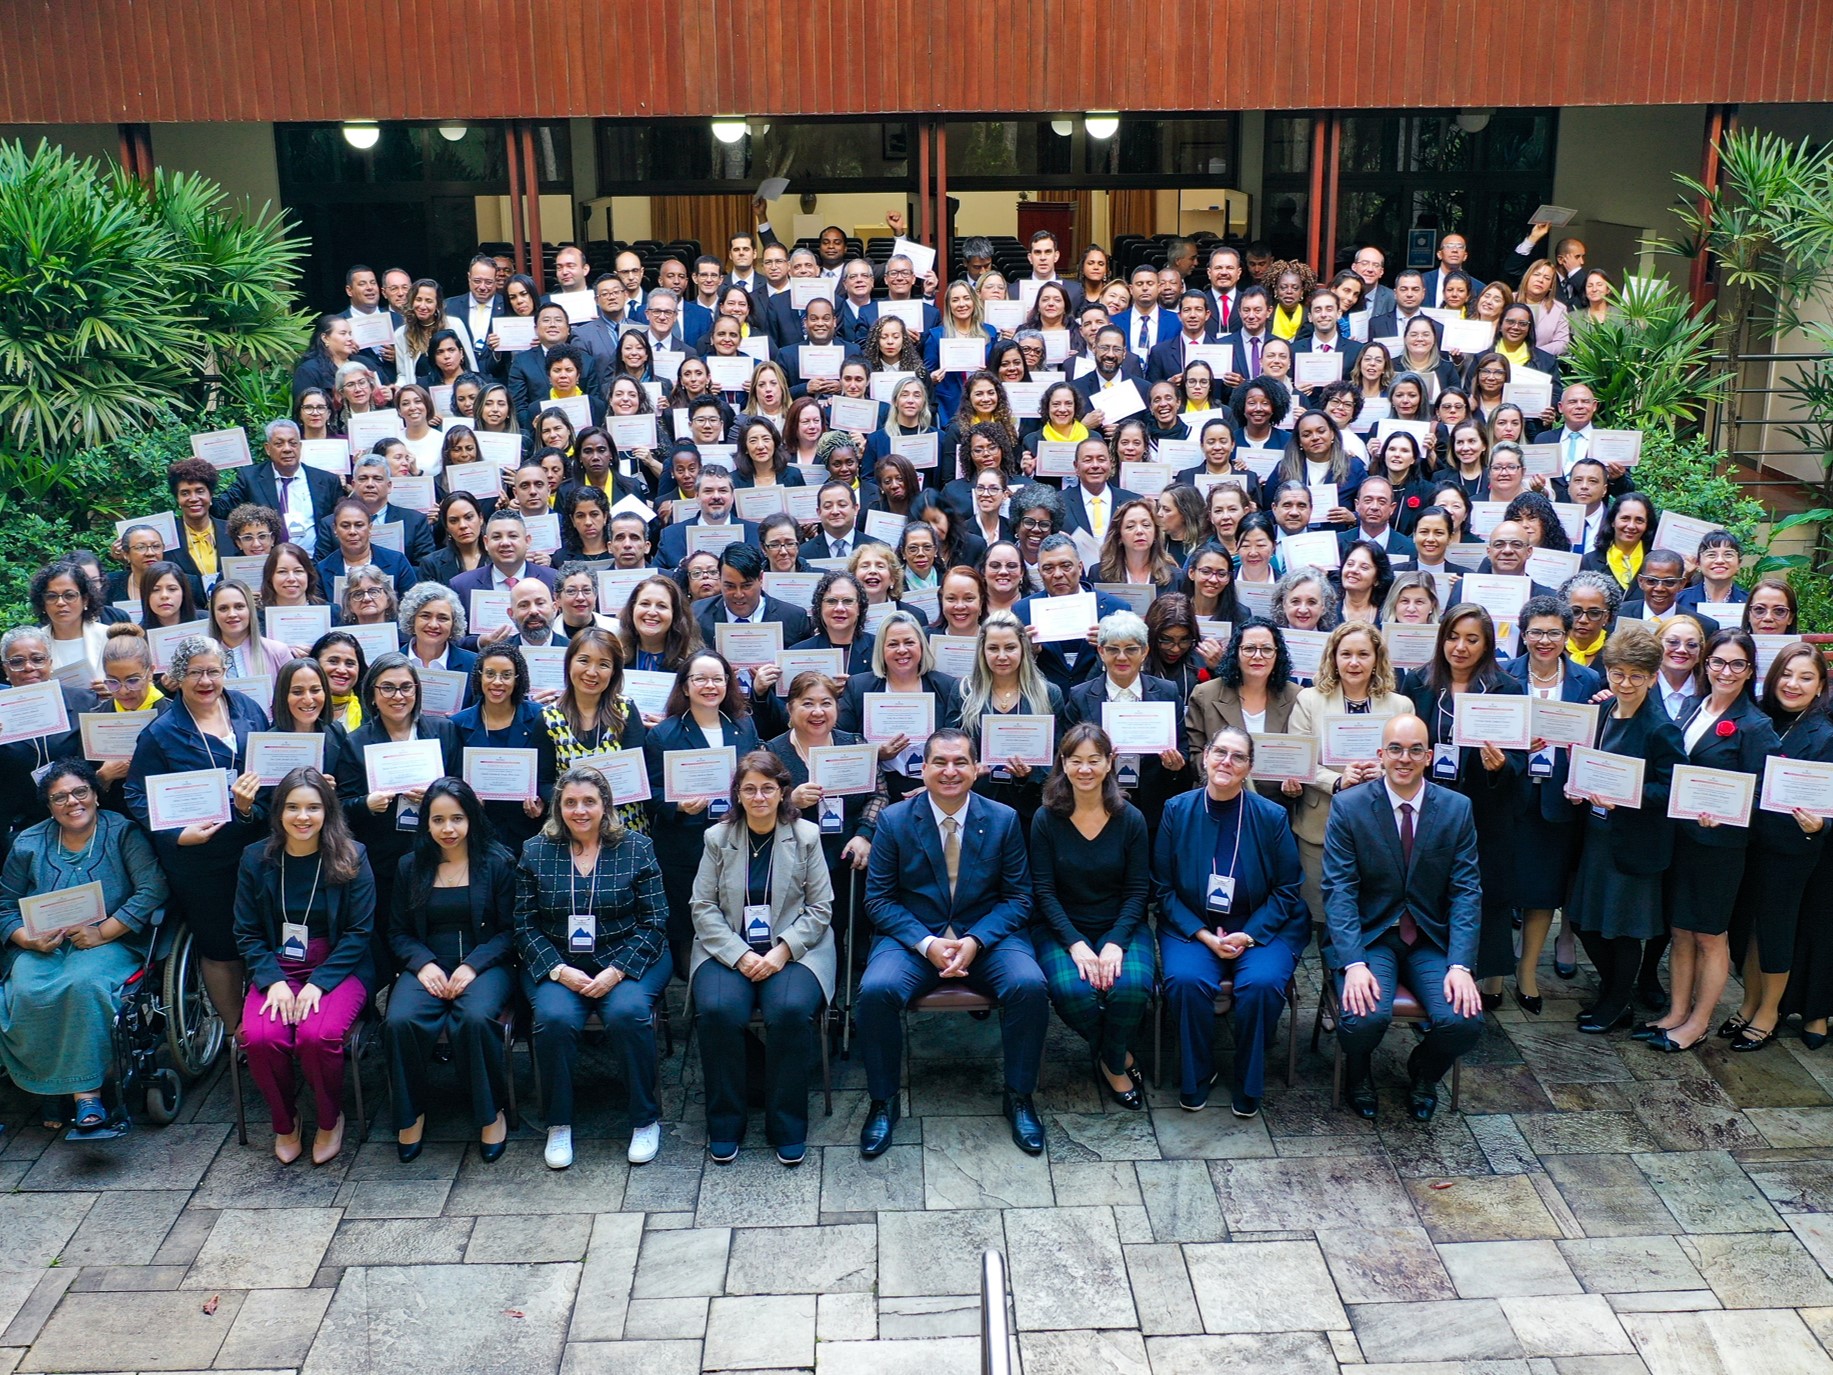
x=164 y=1092
x=193 y=1030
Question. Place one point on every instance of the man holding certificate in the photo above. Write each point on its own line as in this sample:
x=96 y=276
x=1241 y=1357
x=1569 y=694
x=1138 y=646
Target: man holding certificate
x=1065 y=652
x=1403 y=896
x=949 y=891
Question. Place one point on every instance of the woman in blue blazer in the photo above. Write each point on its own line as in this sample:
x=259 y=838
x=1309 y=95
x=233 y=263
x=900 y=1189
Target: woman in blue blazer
x=503 y=718
x=1549 y=831
x=706 y=710
x=960 y=320
x=1226 y=874
x=207 y=728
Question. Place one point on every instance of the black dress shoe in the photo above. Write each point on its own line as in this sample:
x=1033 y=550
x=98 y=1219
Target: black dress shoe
x=1565 y=971
x=1130 y=1097
x=1813 y=1040
x=1529 y=1003
x=1362 y=1100
x=1027 y=1128
x=1592 y=1025
x=492 y=1151
x=409 y=1153
x=1244 y=1104
x=1422 y=1100
x=875 y=1136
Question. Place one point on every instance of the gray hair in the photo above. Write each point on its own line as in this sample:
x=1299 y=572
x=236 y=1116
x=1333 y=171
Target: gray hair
x=419 y=597
x=368 y=572
x=1052 y=543
x=807 y=253
x=371 y=460
x=349 y=370
x=977 y=247
x=178 y=662
x=1613 y=595
x=19 y=634
x=1034 y=496
x=900 y=258
x=273 y=427
x=1027 y=335
x=928 y=661
x=1327 y=596
x=1121 y=627
x=665 y=293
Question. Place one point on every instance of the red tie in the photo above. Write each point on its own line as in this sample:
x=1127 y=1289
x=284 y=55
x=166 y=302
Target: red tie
x=1409 y=929
x=1224 y=310
x=509 y=583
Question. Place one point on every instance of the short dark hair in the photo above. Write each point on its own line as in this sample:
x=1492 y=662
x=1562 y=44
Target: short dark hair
x=766 y=763
x=192 y=470
x=746 y=560
x=954 y=735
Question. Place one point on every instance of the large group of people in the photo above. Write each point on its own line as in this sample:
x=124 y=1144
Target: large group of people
x=1081 y=642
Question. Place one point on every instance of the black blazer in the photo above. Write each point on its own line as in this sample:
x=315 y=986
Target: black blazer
x=459 y=308
x=182 y=555
x=1637 y=608
x=352 y=909
x=1157 y=784
x=256 y=485
x=1751 y=741
x=493 y=914
x=1368 y=884
x=377 y=830
x=1496 y=799
x=946 y=691
x=1548 y=795
x=1397 y=546
x=713 y=612
x=528 y=384
x=1810 y=738
x=1642 y=838
x=416 y=533
x=442 y=566
x=1075 y=512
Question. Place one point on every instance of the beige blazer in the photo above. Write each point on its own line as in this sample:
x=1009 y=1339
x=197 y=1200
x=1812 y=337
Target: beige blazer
x=1308 y=713
x=1214 y=705
x=801 y=899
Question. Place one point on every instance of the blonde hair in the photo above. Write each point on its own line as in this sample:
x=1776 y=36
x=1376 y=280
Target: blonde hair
x=1380 y=678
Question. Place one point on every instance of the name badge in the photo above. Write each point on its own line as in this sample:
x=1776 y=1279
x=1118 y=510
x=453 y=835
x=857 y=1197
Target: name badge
x=1000 y=773
x=1540 y=764
x=1126 y=771
x=1444 y=762
x=833 y=816
x=757 y=927
x=911 y=765
x=38 y=774
x=231 y=775
x=407 y=815
x=718 y=807
x=1598 y=809
x=293 y=937
x=581 y=933
x=1221 y=896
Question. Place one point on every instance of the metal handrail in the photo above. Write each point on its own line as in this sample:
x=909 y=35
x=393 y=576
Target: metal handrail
x=995 y=1324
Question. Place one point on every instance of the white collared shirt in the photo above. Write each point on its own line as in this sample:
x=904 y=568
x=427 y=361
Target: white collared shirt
x=1678 y=700
x=1116 y=693
x=1394 y=801
x=960 y=837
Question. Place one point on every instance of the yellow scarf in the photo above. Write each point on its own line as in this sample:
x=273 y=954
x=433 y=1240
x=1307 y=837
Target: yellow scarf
x=1584 y=654
x=1624 y=569
x=1286 y=324
x=1518 y=355
x=153 y=697
x=351 y=708
x=1075 y=434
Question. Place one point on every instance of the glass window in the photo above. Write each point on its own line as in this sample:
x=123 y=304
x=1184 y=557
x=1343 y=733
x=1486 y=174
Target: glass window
x=633 y=156
x=1166 y=147
x=1288 y=145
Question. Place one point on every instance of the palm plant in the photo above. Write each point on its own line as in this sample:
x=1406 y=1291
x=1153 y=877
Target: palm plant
x=1649 y=361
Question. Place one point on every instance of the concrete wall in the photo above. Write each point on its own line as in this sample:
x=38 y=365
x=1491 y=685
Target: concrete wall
x=241 y=157
x=80 y=140
x=1616 y=166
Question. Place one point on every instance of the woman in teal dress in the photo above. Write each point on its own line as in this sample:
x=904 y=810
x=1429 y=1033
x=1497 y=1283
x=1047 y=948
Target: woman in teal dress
x=61 y=990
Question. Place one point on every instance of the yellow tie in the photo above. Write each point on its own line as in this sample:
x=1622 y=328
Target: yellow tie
x=951 y=850
x=1095 y=521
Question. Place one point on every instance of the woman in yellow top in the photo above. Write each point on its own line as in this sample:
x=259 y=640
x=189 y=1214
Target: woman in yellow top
x=1292 y=282
x=1624 y=539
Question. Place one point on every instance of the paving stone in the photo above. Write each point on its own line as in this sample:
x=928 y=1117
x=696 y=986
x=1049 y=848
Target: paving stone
x=1765 y=1342
x=250 y=1177
x=1074 y=1137
x=935 y=1253
x=1161 y=1290
x=187 y=1237
x=530 y=1239
x=1133 y=1224
x=946 y=1356
x=1575 y=1325
x=1694 y=1114
x=846 y=1318
x=1708 y=1191
x=1593 y=1365
x=757 y=1190
x=125 y=1227
x=1095 y=1182
x=939 y=1315
x=456 y=1317
x=970 y=1162
x=1498 y=1269
x=1180 y=1199
x=1396 y=1264
x=606 y=1279
x=1762 y=1081
x=1759 y=1270
x=520 y=1181
x=104 y=1332
x=1504 y=1148
x=1795 y=1186
x=1273 y=1353
x=1207 y=1135
x=172 y=1157
x=31 y=1315
x=112 y=1279
x=1303 y=1195
x=400 y=1241
x=1584 y=1133
x=1664 y=1301
x=1443 y=1146
x=1067 y=1269
x=17 y=1286
x=1608 y=1195
x=1476 y=1329
x=37 y=1227
x=1269 y=1286
x=665 y=1319
x=893 y=1182
x=760 y=1333
x=802 y=1260
x=1083 y=1353
x=1617 y=1265
x=1786 y=1127
x=265 y=1248
x=274 y=1328
x=687 y=1264
x=1558 y=1056
x=1498 y=1208
x=1495 y=1090
x=632 y=1358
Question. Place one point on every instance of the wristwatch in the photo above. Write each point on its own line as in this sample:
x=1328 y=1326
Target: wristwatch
x=555 y=972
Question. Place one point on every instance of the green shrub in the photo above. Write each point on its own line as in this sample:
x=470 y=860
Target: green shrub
x=1688 y=477
x=27 y=540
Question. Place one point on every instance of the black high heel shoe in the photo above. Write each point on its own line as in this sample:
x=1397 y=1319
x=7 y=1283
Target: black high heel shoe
x=1529 y=1003
x=1132 y=1099
x=492 y=1151
x=1592 y=1025
x=410 y=1151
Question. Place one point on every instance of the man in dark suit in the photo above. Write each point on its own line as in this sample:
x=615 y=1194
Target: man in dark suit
x=1662 y=575
x=1059 y=566
x=1369 y=264
x=661 y=322
x=1224 y=294
x=1149 y=780
x=1166 y=361
x=1409 y=298
x=714 y=493
x=477 y=311
x=949 y=894
x=1044 y=255
x=839 y=534
x=1254 y=308
x=1374 y=520
x=282 y=483
x=1402 y=899
x=350 y=527
x=1144 y=325
x=506 y=543
x=371 y=484
x=819 y=326
x=629 y=268
x=1453 y=256
x=1321 y=335
x=365 y=293
x=1568 y=263
x=528 y=384
x=1090 y=501
x=742 y=600
x=1114 y=362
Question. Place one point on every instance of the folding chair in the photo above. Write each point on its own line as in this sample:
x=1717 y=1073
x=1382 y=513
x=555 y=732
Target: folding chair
x=1407 y=1008
x=943 y=999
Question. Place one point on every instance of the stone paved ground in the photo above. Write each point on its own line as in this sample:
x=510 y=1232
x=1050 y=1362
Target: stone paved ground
x=1595 y=1209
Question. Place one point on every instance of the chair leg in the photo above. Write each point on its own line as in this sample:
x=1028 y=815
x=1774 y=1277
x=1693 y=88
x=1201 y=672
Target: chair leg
x=235 y=1089
x=514 y=1118
x=687 y=1037
x=827 y=1076
x=846 y=1003
x=1291 y=1033
x=1457 y=1081
x=355 y=1069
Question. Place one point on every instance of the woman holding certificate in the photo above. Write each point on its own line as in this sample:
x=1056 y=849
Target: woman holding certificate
x=902 y=662
x=1342 y=711
x=1623 y=540
x=707 y=710
x=837 y=610
x=305 y=904
x=591 y=923
x=592 y=716
x=1090 y=865
x=68 y=958
x=1252 y=690
x=1767 y=929
x=1488 y=772
x=1549 y=827
x=452 y=930
x=246 y=652
x=1727 y=733
x=763 y=943
x=1005 y=681
x=1616 y=895
x=302 y=704
x=503 y=718
x=200 y=832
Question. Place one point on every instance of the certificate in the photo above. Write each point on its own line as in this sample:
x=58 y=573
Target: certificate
x=632 y=431
x=1058 y=619
x=489 y=608
x=1489 y=718
x=792 y=663
x=891 y=714
x=481 y=480
x=616 y=584
x=273 y=754
x=1502 y=595
x=327 y=455
x=1176 y=454
x=504 y=450
x=1790 y=785
x=1533 y=396
x=922 y=257
x=199 y=797
x=649 y=688
x=513 y=332
x=844 y=770
x=1028 y=739
x=1551 y=567
x=372 y=329
x=579 y=306
x=63 y=910
x=1140 y=727
x=1616 y=446
x=1285 y=758
x=401 y=766
x=366 y=427
x=223 y=448
x=29 y=712
x=1055 y=458
x=883 y=384
x=910 y=312
x=755 y=503
x=1008 y=317
x=1118 y=401
x=296 y=625
x=1138 y=596
x=730 y=372
x=749 y=646
x=1210 y=628
x=1613 y=778
x=954 y=654
x=375 y=639
x=712 y=539
x=1146 y=479
x=242 y=568
x=1316 y=548
x=851 y=412
x=920 y=449
x=1409 y=646
x=442 y=690
x=1467 y=336
x=688 y=774
x=1724 y=795
x=1681 y=534
x=1729 y=615
x=1305 y=648
x=501 y=775
x=820 y=360
x=163 y=521
x=1025 y=398
x=1374 y=410
x=257 y=686
x=962 y=355
x=798 y=589
x=543 y=532
x=1311 y=369
x=161 y=639
x=1350 y=740
x=626 y=771
x=802 y=290
x=546 y=667
x=1564 y=723
x=110 y=735
x=1260 y=462
x=1485 y=516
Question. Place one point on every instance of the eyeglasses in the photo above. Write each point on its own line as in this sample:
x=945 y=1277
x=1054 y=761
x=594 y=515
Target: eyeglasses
x=1629 y=677
x=1222 y=756
x=365 y=594
x=205 y=675
x=1209 y=574
x=1132 y=649
x=1517 y=545
x=1033 y=523
x=1649 y=580
x=74 y=797
x=1257 y=651
x=28 y=660
x=1689 y=646
x=760 y=791
x=1589 y=613
x=706 y=680
x=1727 y=665
x=1545 y=634
x=779 y=546
x=1398 y=751
x=1174 y=641
x=133 y=684
x=63 y=596
x=395 y=689
x=498 y=675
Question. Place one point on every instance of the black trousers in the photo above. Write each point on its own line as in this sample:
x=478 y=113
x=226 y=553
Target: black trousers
x=724 y=1001
x=411 y=1031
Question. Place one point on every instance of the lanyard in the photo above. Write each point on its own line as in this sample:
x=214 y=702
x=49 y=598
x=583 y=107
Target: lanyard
x=751 y=856
x=210 y=742
x=1447 y=710
x=311 y=897
x=572 y=883
x=1240 y=817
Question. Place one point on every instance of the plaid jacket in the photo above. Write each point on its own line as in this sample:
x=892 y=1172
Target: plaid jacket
x=629 y=904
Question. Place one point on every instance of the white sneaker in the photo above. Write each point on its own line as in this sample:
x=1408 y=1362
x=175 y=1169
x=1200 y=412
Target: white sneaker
x=644 y=1143
x=559 y=1147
